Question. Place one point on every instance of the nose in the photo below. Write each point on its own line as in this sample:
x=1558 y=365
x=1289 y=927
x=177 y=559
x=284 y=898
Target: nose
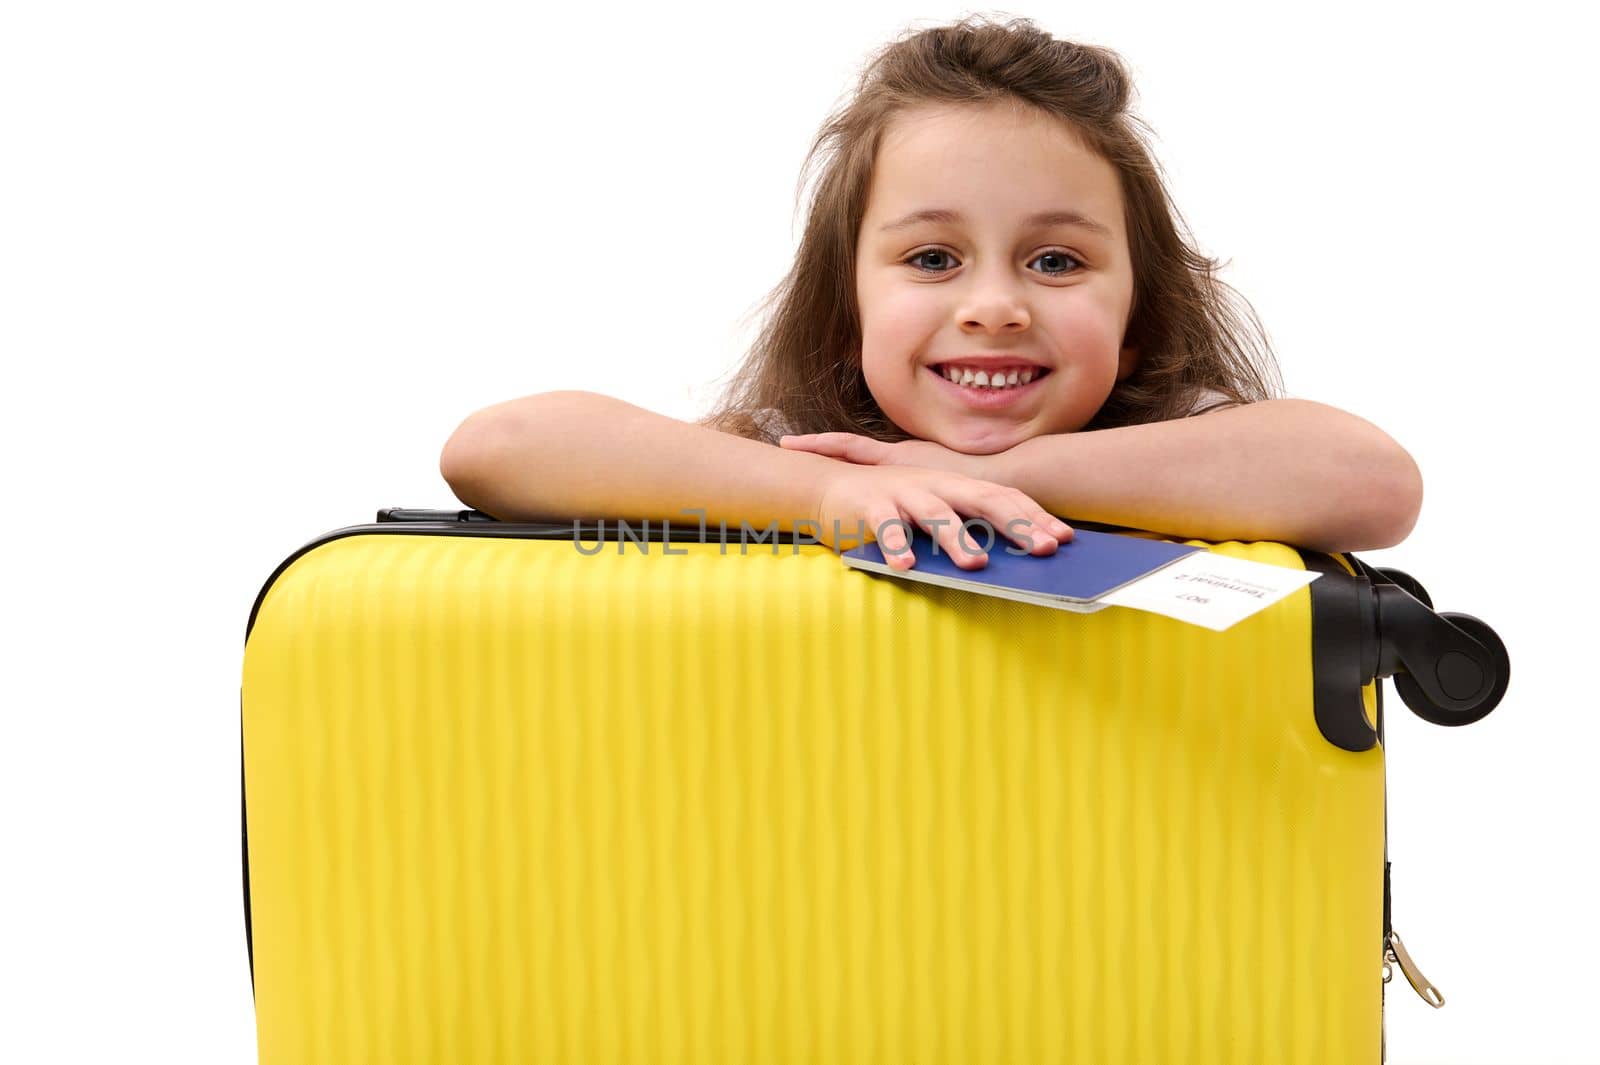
x=994 y=305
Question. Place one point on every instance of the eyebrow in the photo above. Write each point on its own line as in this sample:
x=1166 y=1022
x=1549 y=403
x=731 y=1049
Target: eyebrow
x=1043 y=218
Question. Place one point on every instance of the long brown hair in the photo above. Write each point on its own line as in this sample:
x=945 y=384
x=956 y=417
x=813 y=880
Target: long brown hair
x=1190 y=332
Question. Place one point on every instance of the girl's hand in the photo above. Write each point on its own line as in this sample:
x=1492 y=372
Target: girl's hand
x=856 y=501
x=864 y=450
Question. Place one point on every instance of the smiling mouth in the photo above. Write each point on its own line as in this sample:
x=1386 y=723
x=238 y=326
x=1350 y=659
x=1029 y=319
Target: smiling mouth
x=1039 y=372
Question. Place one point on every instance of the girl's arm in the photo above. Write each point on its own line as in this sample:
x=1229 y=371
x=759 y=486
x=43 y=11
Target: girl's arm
x=1291 y=470
x=556 y=456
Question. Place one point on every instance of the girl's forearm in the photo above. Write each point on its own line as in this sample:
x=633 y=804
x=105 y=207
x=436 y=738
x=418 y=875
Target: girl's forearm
x=1290 y=470
x=556 y=456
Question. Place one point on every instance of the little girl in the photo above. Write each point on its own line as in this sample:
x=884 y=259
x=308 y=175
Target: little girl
x=993 y=315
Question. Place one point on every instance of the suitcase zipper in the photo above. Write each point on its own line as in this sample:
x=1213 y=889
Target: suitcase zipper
x=1394 y=953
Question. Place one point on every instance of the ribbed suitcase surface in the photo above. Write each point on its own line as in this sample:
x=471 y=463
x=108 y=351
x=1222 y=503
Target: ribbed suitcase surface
x=511 y=802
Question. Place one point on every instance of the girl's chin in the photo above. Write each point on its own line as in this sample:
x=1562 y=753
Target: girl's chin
x=980 y=440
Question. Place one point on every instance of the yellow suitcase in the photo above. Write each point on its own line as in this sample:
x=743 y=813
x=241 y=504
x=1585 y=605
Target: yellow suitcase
x=520 y=793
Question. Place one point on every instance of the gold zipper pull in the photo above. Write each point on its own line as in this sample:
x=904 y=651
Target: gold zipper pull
x=1395 y=953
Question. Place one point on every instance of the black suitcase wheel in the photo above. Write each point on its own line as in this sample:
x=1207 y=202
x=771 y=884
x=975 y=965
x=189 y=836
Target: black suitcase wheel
x=1457 y=672
x=1409 y=583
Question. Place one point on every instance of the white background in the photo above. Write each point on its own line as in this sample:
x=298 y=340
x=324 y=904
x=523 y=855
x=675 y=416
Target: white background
x=258 y=261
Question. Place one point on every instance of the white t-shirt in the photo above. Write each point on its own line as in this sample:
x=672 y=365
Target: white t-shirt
x=772 y=423
x=1208 y=399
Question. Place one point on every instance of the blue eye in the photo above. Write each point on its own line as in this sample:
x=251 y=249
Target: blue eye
x=918 y=255
x=1057 y=253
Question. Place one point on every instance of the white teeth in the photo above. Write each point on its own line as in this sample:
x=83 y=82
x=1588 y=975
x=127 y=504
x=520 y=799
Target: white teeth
x=981 y=379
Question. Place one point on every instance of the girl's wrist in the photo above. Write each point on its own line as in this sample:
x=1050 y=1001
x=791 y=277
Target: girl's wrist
x=815 y=485
x=1005 y=467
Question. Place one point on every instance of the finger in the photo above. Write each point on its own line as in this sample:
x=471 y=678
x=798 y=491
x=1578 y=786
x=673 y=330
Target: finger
x=933 y=516
x=848 y=446
x=815 y=438
x=965 y=550
x=1029 y=533
x=1028 y=523
x=812 y=444
x=1045 y=521
x=1034 y=533
x=1036 y=528
x=892 y=537
x=1015 y=517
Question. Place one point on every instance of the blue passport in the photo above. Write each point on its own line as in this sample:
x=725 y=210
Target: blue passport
x=1090 y=565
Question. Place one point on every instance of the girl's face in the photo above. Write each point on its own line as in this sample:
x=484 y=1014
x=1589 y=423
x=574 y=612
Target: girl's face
x=1049 y=295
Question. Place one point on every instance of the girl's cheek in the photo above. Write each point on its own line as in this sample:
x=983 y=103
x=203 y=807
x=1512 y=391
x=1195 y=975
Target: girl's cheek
x=1087 y=329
